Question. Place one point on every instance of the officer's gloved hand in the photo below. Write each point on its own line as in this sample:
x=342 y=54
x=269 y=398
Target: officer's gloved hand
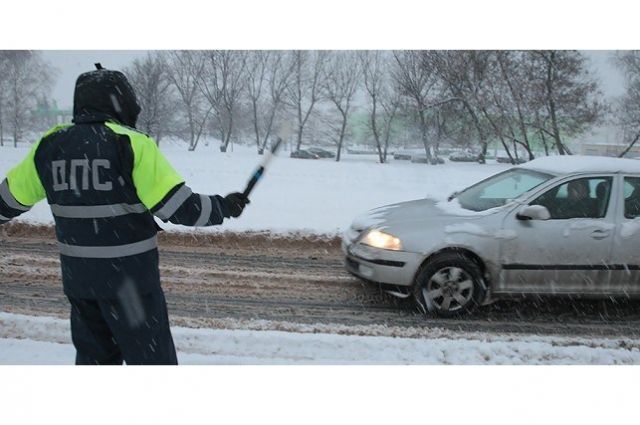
x=235 y=203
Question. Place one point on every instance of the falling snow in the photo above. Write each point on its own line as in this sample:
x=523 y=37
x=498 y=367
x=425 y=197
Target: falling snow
x=321 y=197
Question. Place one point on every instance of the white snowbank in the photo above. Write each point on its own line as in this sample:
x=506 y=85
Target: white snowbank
x=45 y=340
x=297 y=195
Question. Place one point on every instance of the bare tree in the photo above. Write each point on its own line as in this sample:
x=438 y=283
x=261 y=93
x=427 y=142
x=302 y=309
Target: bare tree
x=222 y=84
x=418 y=84
x=456 y=126
x=463 y=76
x=384 y=100
x=268 y=77
x=341 y=79
x=150 y=79
x=4 y=70
x=26 y=78
x=256 y=81
x=493 y=101
x=516 y=91
x=568 y=92
x=627 y=108
x=184 y=69
x=305 y=92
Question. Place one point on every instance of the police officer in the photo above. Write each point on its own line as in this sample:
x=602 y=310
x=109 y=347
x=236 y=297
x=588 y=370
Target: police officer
x=104 y=181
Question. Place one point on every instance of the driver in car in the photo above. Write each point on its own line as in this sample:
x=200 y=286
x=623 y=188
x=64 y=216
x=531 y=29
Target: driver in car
x=578 y=203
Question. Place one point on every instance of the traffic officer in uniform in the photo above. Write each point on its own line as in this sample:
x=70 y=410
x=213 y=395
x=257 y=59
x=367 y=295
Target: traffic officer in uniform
x=104 y=181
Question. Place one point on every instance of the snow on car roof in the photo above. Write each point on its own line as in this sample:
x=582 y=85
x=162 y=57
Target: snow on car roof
x=568 y=164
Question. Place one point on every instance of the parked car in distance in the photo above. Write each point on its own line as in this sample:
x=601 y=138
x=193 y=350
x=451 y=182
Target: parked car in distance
x=422 y=159
x=403 y=155
x=361 y=151
x=321 y=153
x=464 y=157
x=507 y=160
x=563 y=225
x=303 y=154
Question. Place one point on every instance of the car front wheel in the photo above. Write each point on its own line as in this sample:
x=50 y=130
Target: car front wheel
x=450 y=285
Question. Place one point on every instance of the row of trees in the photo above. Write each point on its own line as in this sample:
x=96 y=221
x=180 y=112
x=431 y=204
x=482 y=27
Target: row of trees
x=527 y=100
x=244 y=95
x=25 y=80
x=523 y=101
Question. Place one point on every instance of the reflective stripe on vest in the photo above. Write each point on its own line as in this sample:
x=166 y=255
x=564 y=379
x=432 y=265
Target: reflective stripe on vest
x=218 y=207
x=205 y=213
x=174 y=203
x=114 y=251
x=96 y=211
x=9 y=199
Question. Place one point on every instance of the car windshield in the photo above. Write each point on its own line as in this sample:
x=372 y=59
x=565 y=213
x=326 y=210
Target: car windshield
x=497 y=190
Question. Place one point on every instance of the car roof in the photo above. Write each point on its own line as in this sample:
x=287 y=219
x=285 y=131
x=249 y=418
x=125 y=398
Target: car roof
x=569 y=164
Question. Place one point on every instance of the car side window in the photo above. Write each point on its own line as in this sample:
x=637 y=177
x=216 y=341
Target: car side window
x=511 y=187
x=586 y=197
x=632 y=197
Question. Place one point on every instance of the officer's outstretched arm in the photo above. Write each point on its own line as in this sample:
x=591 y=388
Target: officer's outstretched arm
x=182 y=206
x=21 y=189
x=163 y=191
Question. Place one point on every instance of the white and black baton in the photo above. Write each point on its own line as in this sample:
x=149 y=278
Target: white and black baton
x=257 y=175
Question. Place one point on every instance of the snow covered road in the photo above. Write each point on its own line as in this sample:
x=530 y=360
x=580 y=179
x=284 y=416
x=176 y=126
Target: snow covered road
x=254 y=283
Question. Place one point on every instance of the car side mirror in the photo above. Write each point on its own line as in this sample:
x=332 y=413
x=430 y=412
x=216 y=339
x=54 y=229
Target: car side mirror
x=533 y=212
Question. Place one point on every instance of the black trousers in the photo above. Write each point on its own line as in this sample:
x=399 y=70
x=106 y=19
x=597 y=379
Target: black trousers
x=133 y=328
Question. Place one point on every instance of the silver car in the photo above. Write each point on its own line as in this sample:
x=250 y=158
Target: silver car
x=555 y=225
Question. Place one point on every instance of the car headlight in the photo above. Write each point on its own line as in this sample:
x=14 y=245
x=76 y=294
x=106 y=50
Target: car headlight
x=379 y=239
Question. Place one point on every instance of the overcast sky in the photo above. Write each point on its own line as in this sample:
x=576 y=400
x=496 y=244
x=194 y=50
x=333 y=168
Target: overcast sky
x=71 y=63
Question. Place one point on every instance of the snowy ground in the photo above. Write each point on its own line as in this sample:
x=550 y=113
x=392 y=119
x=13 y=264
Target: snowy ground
x=321 y=197
x=297 y=195
x=46 y=340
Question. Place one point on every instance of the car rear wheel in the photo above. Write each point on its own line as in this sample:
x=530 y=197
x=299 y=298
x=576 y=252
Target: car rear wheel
x=450 y=285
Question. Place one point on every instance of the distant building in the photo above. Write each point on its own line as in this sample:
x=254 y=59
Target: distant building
x=48 y=114
x=608 y=149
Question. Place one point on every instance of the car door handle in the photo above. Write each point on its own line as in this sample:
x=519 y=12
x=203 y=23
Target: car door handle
x=600 y=234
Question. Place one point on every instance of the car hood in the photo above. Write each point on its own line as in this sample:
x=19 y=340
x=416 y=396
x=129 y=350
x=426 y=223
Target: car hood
x=414 y=211
x=425 y=225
